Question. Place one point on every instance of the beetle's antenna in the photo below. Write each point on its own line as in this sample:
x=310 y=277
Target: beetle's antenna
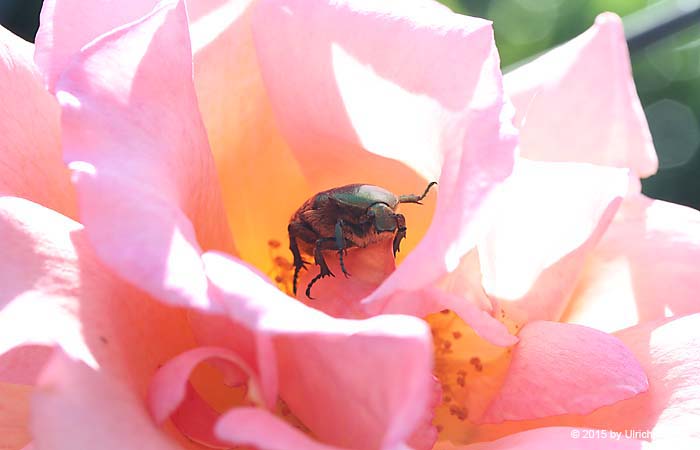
x=413 y=198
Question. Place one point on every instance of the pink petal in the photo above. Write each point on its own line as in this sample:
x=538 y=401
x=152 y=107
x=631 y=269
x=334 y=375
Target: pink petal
x=30 y=155
x=262 y=430
x=565 y=369
x=363 y=383
x=578 y=103
x=569 y=438
x=68 y=25
x=76 y=407
x=644 y=268
x=395 y=114
x=53 y=290
x=128 y=97
x=549 y=217
x=667 y=350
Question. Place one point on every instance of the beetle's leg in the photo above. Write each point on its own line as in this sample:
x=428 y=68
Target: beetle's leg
x=341 y=245
x=321 y=262
x=400 y=231
x=294 y=230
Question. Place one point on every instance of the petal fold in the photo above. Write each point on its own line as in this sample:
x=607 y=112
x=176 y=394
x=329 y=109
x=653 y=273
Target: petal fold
x=76 y=407
x=55 y=292
x=549 y=217
x=565 y=369
x=69 y=25
x=578 y=103
x=644 y=268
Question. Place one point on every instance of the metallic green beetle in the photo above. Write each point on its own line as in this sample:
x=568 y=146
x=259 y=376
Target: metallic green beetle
x=355 y=215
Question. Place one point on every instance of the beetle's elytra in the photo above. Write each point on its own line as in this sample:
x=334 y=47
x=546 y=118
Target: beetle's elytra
x=355 y=215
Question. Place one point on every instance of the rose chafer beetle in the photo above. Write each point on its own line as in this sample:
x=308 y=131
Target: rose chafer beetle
x=356 y=215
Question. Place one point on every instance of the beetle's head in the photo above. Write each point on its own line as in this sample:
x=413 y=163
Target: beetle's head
x=413 y=198
x=383 y=217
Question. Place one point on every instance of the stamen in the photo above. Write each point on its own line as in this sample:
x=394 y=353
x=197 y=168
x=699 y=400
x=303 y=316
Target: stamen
x=470 y=371
x=281 y=269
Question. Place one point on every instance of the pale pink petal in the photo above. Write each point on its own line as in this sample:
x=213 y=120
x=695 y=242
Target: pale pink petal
x=14 y=412
x=569 y=438
x=79 y=408
x=549 y=217
x=30 y=153
x=133 y=137
x=69 y=25
x=262 y=430
x=364 y=383
x=53 y=290
x=397 y=115
x=578 y=103
x=644 y=268
x=565 y=369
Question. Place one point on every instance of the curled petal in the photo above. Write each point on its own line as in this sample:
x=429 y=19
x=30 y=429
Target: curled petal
x=141 y=163
x=195 y=419
x=565 y=369
x=167 y=388
x=549 y=218
x=30 y=152
x=578 y=103
x=363 y=383
x=644 y=268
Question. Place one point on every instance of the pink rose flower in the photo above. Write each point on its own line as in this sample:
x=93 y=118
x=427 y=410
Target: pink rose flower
x=153 y=152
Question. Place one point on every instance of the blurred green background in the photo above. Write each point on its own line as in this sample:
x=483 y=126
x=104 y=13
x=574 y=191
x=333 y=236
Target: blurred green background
x=667 y=72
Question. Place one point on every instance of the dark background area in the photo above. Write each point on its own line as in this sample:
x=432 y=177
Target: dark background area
x=667 y=71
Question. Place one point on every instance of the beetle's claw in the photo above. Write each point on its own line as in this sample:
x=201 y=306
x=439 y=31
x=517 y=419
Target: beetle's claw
x=322 y=274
